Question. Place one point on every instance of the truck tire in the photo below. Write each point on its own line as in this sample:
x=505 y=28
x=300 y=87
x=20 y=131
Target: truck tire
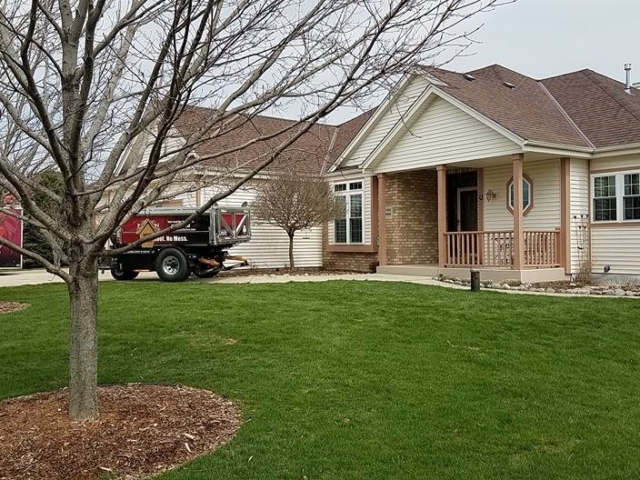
x=122 y=274
x=172 y=265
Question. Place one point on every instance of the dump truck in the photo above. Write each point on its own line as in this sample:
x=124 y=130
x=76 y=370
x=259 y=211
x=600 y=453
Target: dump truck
x=200 y=248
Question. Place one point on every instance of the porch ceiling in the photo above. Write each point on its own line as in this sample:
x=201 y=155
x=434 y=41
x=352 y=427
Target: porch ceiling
x=485 y=162
x=501 y=160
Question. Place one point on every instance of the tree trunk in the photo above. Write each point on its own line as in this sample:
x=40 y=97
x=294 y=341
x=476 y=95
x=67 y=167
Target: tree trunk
x=83 y=355
x=291 y=264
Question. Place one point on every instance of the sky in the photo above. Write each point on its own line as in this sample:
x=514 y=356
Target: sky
x=543 y=38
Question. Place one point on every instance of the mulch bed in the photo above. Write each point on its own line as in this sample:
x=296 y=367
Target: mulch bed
x=142 y=430
x=8 y=307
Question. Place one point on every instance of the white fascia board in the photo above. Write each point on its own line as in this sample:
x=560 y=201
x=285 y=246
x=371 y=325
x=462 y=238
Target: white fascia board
x=364 y=131
x=617 y=151
x=557 y=150
x=347 y=175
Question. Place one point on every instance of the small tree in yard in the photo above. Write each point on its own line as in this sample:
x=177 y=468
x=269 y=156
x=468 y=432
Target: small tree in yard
x=90 y=86
x=295 y=202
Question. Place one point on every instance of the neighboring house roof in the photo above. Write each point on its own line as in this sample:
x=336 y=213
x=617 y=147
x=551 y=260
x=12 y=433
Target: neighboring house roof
x=312 y=153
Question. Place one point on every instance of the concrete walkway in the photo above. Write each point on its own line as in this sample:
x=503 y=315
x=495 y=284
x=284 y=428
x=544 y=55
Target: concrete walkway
x=37 y=277
x=13 y=278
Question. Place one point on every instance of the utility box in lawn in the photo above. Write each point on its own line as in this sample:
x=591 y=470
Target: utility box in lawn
x=200 y=248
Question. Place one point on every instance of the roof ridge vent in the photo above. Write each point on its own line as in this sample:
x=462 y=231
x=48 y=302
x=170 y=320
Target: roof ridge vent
x=468 y=76
x=509 y=85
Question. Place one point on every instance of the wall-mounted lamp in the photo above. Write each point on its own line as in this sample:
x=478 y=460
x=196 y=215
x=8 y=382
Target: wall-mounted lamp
x=490 y=195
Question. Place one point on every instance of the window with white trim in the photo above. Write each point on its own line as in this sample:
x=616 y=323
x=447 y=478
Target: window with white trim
x=527 y=194
x=349 y=228
x=604 y=198
x=615 y=197
x=631 y=196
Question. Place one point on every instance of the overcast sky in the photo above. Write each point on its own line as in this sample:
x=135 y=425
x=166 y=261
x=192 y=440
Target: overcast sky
x=542 y=38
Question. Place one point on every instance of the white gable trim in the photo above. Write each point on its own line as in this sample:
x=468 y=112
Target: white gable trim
x=364 y=131
x=411 y=116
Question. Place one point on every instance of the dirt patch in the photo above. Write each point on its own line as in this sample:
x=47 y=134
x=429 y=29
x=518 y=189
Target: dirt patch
x=142 y=430
x=9 y=307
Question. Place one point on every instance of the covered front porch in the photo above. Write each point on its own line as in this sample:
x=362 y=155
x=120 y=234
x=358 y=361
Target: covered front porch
x=486 y=219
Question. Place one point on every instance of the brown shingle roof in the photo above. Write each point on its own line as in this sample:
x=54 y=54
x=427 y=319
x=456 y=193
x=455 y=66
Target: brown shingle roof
x=526 y=110
x=580 y=109
x=599 y=106
x=312 y=153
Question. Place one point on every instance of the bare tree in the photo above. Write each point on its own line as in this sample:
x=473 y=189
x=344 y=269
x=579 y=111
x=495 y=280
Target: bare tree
x=92 y=89
x=295 y=202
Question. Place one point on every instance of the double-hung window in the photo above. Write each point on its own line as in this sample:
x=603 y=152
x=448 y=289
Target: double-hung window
x=616 y=197
x=631 y=196
x=349 y=228
x=605 y=208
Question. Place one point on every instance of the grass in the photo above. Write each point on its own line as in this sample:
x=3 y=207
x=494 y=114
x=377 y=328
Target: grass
x=358 y=380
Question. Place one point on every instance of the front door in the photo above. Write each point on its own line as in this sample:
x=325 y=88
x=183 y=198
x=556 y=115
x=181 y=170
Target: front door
x=467 y=209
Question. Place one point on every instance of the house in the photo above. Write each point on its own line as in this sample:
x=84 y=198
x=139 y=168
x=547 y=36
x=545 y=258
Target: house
x=313 y=153
x=534 y=180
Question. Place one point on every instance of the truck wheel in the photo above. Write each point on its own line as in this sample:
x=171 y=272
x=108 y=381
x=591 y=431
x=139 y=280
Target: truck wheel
x=122 y=274
x=172 y=265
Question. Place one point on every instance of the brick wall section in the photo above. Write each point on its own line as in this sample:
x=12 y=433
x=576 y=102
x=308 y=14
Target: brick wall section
x=357 y=262
x=412 y=231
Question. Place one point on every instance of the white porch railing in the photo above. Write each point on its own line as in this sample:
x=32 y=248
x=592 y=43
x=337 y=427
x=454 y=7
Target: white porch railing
x=496 y=248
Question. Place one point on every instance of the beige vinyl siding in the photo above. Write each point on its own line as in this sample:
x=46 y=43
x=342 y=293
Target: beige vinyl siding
x=444 y=134
x=618 y=247
x=416 y=85
x=579 y=213
x=627 y=162
x=188 y=199
x=173 y=142
x=269 y=245
x=545 y=213
x=366 y=208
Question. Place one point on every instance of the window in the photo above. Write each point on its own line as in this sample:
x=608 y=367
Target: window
x=631 y=196
x=527 y=194
x=604 y=198
x=616 y=197
x=349 y=229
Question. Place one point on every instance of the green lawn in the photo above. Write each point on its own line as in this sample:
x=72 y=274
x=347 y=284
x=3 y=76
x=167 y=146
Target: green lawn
x=364 y=380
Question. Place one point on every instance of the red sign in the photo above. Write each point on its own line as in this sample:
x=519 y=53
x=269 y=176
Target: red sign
x=11 y=230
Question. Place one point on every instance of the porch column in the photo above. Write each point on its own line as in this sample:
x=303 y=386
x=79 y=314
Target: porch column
x=518 y=231
x=382 y=219
x=442 y=215
x=564 y=250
